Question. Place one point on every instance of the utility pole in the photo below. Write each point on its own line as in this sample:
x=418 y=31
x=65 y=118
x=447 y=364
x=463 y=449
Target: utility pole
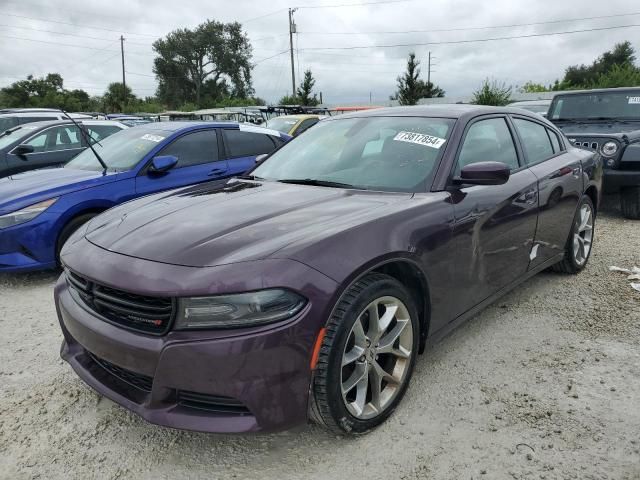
x=429 y=69
x=292 y=30
x=124 y=84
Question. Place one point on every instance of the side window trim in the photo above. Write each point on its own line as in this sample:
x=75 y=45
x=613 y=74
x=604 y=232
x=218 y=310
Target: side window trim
x=521 y=164
x=532 y=120
x=48 y=151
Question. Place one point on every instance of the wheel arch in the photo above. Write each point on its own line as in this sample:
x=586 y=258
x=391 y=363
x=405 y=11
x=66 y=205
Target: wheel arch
x=407 y=271
x=594 y=195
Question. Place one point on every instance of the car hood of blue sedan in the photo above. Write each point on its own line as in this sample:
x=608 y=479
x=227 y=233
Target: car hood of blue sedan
x=24 y=189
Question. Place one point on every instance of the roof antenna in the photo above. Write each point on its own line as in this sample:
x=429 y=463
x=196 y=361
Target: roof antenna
x=88 y=140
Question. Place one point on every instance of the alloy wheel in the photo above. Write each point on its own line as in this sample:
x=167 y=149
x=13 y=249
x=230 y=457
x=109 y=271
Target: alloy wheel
x=583 y=235
x=376 y=357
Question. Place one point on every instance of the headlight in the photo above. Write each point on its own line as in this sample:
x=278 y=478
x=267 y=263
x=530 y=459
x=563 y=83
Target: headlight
x=238 y=310
x=26 y=214
x=609 y=149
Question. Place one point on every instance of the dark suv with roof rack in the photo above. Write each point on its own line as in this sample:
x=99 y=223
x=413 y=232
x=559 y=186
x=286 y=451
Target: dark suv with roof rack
x=606 y=121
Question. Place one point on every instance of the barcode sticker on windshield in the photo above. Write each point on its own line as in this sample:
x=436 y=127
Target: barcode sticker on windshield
x=420 y=139
x=152 y=138
x=634 y=100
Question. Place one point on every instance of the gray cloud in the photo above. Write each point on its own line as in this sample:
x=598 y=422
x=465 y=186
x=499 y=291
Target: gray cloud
x=342 y=75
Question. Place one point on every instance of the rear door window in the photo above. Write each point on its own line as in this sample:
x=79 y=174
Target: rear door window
x=535 y=141
x=555 y=141
x=247 y=144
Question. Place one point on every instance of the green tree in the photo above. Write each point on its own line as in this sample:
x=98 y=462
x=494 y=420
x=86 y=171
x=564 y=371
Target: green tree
x=203 y=65
x=581 y=76
x=47 y=91
x=411 y=88
x=304 y=92
x=531 y=87
x=618 y=76
x=116 y=98
x=289 y=100
x=492 y=93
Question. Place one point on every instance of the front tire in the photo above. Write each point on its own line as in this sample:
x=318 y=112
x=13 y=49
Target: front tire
x=630 y=202
x=69 y=229
x=367 y=356
x=580 y=241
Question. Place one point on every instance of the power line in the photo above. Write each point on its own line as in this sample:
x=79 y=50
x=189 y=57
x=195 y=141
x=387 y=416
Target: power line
x=354 y=4
x=77 y=25
x=460 y=29
x=272 y=56
x=479 y=40
x=263 y=16
x=71 y=45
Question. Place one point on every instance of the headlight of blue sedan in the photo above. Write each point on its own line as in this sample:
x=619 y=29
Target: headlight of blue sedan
x=238 y=310
x=26 y=214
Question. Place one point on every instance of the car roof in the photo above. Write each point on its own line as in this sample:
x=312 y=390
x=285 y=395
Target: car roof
x=453 y=111
x=542 y=101
x=174 y=126
x=42 y=114
x=599 y=90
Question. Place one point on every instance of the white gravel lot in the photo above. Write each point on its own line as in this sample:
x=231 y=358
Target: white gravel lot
x=545 y=384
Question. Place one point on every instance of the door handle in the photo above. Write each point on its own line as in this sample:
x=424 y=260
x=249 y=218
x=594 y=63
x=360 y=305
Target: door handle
x=216 y=172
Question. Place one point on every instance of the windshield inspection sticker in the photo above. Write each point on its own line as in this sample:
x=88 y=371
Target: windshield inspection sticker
x=420 y=139
x=152 y=138
x=634 y=100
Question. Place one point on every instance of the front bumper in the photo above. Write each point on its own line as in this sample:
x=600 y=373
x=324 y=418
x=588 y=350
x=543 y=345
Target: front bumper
x=29 y=246
x=262 y=372
x=614 y=180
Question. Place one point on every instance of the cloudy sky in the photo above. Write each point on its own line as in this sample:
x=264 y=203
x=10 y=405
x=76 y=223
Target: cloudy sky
x=80 y=40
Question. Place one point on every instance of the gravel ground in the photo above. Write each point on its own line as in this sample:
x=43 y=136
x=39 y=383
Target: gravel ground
x=544 y=384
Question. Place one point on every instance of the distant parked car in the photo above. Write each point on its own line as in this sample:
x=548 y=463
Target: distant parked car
x=293 y=125
x=48 y=144
x=606 y=121
x=40 y=209
x=15 y=118
x=536 y=106
x=308 y=287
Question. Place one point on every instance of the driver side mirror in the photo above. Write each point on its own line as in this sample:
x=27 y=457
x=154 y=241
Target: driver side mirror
x=261 y=158
x=23 y=149
x=163 y=163
x=484 y=173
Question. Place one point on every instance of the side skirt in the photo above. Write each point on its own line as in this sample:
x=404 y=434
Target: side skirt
x=451 y=326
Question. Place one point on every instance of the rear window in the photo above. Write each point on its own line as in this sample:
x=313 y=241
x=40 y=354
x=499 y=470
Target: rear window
x=8 y=122
x=247 y=144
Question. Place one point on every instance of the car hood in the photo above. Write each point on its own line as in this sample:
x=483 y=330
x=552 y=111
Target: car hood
x=611 y=129
x=243 y=221
x=24 y=189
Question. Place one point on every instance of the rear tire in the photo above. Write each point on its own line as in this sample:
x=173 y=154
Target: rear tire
x=580 y=241
x=69 y=229
x=367 y=356
x=630 y=202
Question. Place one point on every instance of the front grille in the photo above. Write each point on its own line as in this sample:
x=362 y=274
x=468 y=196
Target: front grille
x=136 y=312
x=591 y=145
x=211 y=403
x=137 y=380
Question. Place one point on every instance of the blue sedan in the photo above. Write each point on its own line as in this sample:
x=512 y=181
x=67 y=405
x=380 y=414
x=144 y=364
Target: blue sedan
x=39 y=210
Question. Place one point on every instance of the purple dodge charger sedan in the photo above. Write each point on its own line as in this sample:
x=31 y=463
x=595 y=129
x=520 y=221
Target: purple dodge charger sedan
x=306 y=289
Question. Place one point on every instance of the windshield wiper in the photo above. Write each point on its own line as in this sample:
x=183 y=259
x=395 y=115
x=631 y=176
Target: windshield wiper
x=319 y=183
x=249 y=177
x=88 y=140
x=10 y=131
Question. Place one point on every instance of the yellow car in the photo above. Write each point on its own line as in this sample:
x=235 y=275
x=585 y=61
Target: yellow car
x=293 y=124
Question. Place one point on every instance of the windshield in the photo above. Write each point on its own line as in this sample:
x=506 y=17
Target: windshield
x=282 y=124
x=15 y=135
x=120 y=151
x=7 y=122
x=597 y=105
x=378 y=153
